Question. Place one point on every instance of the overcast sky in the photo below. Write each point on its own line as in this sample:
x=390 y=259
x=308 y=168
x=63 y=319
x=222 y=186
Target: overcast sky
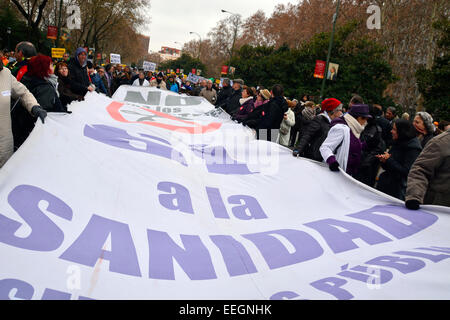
x=171 y=21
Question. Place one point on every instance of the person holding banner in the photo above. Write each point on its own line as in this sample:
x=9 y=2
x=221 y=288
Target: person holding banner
x=95 y=79
x=247 y=105
x=209 y=93
x=233 y=103
x=429 y=178
x=186 y=86
x=172 y=85
x=66 y=95
x=11 y=88
x=141 y=81
x=158 y=82
x=224 y=94
x=42 y=83
x=342 y=147
x=78 y=73
x=310 y=140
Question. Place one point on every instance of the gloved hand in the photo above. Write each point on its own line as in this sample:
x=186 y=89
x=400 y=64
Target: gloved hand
x=412 y=204
x=296 y=153
x=334 y=166
x=37 y=111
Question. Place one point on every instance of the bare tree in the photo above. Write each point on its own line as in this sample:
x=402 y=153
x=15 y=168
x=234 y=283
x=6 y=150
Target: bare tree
x=32 y=11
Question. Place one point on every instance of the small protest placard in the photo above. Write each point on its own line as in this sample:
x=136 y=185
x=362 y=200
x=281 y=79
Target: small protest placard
x=149 y=66
x=115 y=58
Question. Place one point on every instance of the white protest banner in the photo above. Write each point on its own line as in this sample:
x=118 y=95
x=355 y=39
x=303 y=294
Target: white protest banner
x=115 y=58
x=149 y=66
x=133 y=199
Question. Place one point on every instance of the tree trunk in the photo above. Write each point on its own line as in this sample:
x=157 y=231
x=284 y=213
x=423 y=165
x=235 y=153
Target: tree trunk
x=59 y=23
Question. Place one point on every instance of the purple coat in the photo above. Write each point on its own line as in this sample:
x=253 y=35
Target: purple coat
x=354 y=152
x=244 y=110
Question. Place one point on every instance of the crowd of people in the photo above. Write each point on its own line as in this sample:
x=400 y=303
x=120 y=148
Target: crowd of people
x=408 y=160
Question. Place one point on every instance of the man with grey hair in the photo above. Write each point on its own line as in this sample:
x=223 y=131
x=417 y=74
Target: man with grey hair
x=224 y=94
x=199 y=87
x=209 y=93
x=24 y=51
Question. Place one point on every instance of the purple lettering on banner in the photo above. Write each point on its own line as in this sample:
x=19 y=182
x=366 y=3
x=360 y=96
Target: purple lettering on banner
x=194 y=258
x=234 y=255
x=246 y=202
x=436 y=249
x=419 y=219
x=88 y=248
x=332 y=285
x=433 y=257
x=343 y=241
x=284 y=295
x=404 y=265
x=24 y=290
x=215 y=200
x=45 y=234
x=276 y=254
x=384 y=277
x=121 y=139
x=218 y=161
x=180 y=196
x=50 y=294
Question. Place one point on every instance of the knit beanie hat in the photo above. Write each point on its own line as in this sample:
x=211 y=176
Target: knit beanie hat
x=78 y=51
x=330 y=104
x=427 y=121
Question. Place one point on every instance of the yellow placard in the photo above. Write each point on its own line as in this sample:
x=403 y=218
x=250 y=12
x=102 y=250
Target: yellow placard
x=58 y=52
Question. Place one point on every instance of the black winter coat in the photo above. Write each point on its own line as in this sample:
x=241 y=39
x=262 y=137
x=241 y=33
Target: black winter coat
x=311 y=139
x=273 y=113
x=44 y=93
x=371 y=138
x=223 y=96
x=233 y=103
x=298 y=117
x=425 y=140
x=253 y=118
x=403 y=155
x=66 y=95
x=79 y=77
x=386 y=128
